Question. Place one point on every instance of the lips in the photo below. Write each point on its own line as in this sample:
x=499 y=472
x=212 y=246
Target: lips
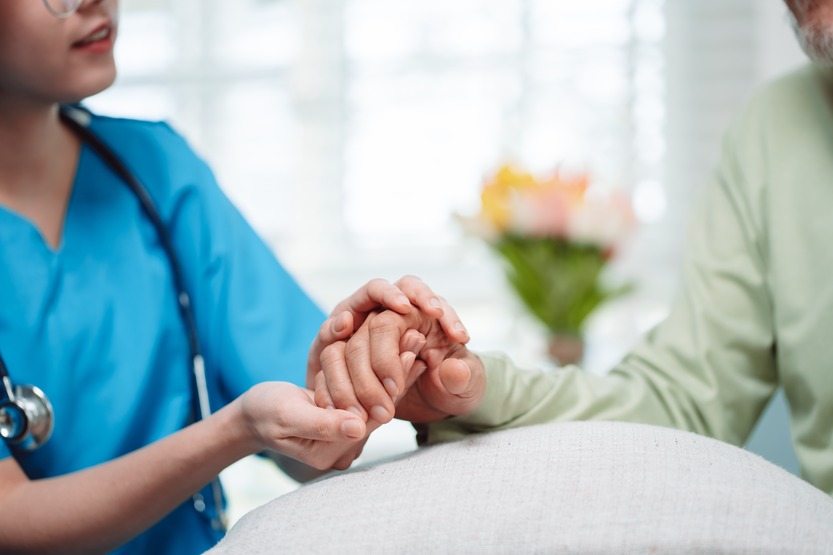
x=100 y=36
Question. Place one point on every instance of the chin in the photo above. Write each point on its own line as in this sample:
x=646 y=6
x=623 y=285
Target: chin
x=89 y=87
x=815 y=38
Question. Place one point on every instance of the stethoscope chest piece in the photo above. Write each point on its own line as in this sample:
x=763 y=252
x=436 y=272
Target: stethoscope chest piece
x=26 y=418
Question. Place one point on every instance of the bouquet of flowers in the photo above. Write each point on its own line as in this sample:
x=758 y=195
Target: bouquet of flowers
x=556 y=234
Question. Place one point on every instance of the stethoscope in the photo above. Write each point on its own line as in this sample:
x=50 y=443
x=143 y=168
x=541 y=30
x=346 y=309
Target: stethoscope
x=26 y=415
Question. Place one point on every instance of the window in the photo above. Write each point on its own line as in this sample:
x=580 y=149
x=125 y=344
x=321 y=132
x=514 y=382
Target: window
x=349 y=131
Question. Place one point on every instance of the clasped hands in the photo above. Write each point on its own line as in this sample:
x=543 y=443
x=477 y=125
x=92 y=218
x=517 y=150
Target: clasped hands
x=389 y=350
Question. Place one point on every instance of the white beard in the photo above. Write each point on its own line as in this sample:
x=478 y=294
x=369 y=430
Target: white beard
x=816 y=40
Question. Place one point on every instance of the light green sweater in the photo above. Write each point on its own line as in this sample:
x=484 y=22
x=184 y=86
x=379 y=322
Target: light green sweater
x=755 y=310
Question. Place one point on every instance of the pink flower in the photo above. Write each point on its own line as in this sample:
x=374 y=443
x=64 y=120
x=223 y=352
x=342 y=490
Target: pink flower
x=544 y=212
x=602 y=219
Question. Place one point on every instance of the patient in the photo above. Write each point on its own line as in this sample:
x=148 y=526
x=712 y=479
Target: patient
x=754 y=313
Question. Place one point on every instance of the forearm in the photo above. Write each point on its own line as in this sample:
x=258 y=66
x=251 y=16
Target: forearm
x=517 y=397
x=652 y=385
x=100 y=508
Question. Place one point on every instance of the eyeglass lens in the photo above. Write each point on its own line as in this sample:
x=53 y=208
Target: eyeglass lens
x=62 y=7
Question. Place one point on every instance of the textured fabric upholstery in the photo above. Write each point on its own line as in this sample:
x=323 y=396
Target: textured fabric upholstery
x=582 y=487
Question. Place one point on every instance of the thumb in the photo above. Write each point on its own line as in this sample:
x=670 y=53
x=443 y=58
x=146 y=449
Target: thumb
x=463 y=385
x=328 y=425
x=455 y=376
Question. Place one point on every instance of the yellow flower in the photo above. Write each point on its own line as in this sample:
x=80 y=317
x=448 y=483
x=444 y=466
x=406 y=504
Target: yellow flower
x=497 y=194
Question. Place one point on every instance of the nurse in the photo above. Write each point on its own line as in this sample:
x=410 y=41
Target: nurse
x=89 y=315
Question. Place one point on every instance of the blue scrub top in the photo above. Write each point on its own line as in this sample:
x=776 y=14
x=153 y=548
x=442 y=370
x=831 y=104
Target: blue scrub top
x=95 y=323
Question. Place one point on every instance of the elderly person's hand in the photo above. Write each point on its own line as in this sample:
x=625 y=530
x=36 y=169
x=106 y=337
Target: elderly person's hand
x=404 y=296
x=376 y=371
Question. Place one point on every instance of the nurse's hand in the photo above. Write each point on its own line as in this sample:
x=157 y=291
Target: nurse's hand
x=282 y=417
x=405 y=296
x=375 y=370
x=97 y=509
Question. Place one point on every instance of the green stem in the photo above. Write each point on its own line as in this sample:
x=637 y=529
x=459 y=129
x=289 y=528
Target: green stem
x=559 y=282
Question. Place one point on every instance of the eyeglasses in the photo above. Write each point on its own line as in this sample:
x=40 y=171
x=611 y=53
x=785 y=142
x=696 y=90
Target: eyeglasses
x=62 y=8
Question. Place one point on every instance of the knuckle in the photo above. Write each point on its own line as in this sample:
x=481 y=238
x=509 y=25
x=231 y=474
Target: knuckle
x=411 y=336
x=332 y=353
x=366 y=392
x=341 y=391
x=385 y=364
x=385 y=321
x=410 y=278
x=377 y=283
x=353 y=350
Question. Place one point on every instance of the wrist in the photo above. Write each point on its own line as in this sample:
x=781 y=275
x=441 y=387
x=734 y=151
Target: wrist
x=234 y=425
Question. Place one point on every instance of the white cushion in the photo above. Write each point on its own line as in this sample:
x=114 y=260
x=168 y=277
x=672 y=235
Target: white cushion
x=582 y=487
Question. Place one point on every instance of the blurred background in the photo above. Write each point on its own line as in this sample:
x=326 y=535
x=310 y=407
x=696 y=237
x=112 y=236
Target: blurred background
x=349 y=132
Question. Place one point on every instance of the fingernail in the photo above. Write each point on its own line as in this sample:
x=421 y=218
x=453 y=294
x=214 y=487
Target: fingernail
x=390 y=387
x=379 y=414
x=435 y=302
x=351 y=428
x=337 y=325
x=403 y=299
x=460 y=327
